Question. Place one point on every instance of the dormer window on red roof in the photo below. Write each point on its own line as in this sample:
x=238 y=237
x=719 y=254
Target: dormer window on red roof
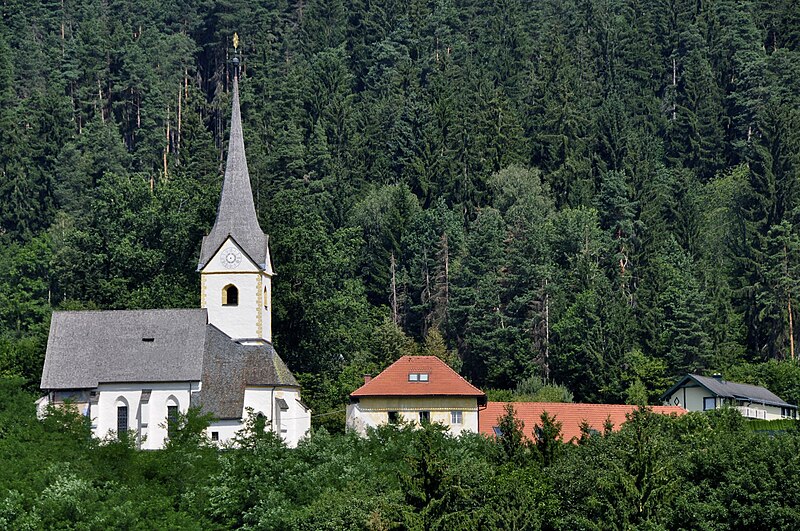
x=402 y=378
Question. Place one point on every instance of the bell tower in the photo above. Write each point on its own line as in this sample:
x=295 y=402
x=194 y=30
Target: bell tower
x=235 y=267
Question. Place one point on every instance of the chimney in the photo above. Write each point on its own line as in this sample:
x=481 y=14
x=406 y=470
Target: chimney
x=367 y=379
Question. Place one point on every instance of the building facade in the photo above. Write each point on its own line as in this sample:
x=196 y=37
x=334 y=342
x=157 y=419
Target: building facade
x=416 y=389
x=702 y=393
x=135 y=371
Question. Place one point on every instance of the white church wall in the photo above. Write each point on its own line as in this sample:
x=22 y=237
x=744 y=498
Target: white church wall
x=249 y=318
x=291 y=424
x=146 y=419
x=240 y=321
x=225 y=431
x=296 y=420
x=265 y=309
x=216 y=264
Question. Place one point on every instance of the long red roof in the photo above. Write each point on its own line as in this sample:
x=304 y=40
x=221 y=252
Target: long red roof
x=569 y=415
x=441 y=380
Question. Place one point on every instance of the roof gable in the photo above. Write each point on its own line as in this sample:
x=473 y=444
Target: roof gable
x=732 y=390
x=395 y=381
x=568 y=414
x=214 y=265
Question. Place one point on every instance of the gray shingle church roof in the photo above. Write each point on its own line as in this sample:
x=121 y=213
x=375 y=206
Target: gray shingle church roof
x=229 y=366
x=236 y=216
x=733 y=390
x=91 y=347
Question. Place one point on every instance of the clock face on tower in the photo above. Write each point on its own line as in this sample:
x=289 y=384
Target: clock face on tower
x=231 y=257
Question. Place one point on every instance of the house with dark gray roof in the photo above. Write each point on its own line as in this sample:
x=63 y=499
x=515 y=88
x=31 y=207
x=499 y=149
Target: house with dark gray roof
x=702 y=393
x=134 y=370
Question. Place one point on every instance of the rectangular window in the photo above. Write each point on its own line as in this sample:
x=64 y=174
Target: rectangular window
x=394 y=417
x=172 y=419
x=122 y=420
x=413 y=377
x=214 y=435
x=423 y=377
x=456 y=417
x=424 y=417
x=418 y=377
x=709 y=403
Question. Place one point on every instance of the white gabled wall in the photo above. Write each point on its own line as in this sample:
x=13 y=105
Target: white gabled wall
x=251 y=317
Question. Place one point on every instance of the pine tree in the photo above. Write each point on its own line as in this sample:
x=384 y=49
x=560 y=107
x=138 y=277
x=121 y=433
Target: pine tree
x=673 y=311
x=768 y=199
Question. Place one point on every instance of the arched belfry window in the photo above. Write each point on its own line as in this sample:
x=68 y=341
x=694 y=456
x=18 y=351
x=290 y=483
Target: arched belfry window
x=230 y=295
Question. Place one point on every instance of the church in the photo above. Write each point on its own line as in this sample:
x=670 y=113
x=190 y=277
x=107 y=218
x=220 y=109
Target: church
x=130 y=371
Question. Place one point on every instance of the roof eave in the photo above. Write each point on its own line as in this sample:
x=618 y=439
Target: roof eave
x=695 y=380
x=395 y=395
x=202 y=264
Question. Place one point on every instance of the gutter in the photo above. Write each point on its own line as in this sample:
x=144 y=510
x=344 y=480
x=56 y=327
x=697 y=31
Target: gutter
x=272 y=409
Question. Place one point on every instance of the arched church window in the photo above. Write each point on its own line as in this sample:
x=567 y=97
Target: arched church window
x=172 y=415
x=122 y=417
x=230 y=295
x=260 y=424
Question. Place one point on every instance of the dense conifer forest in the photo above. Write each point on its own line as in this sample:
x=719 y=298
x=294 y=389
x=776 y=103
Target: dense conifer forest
x=601 y=194
x=581 y=198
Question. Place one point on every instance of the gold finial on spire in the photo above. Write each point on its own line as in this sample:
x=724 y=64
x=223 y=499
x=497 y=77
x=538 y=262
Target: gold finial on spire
x=235 y=41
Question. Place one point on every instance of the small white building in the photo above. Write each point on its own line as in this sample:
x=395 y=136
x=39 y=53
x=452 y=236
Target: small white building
x=130 y=371
x=416 y=389
x=703 y=393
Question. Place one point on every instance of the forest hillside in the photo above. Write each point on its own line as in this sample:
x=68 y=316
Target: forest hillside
x=600 y=194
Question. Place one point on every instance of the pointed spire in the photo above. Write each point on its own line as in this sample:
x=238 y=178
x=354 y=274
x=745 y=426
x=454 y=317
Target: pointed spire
x=236 y=214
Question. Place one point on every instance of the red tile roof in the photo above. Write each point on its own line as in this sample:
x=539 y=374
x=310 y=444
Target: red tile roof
x=442 y=380
x=569 y=415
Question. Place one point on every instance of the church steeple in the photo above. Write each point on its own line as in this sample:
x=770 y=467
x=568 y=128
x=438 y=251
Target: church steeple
x=236 y=215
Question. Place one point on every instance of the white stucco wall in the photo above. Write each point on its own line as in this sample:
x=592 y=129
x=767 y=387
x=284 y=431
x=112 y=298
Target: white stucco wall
x=371 y=412
x=226 y=430
x=691 y=397
x=292 y=424
x=251 y=317
x=147 y=419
